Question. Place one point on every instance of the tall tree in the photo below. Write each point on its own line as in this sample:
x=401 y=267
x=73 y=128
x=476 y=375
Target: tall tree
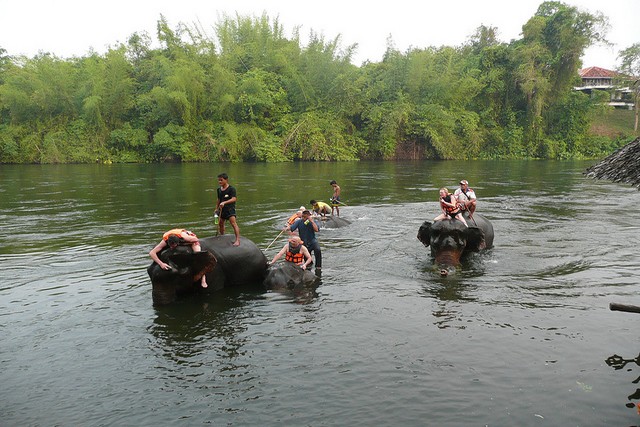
x=630 y=66
x=549 y=54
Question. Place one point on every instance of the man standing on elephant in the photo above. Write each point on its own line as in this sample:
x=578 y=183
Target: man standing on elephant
x=308 y=229
x=335 y=197
x=226 y=206
x=466 y=197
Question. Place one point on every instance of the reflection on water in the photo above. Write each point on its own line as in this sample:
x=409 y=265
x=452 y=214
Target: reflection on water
x=618 y=363
x=184 y=330
x=516 y=331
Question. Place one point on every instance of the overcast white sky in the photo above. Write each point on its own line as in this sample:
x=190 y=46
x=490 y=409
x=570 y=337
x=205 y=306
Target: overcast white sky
x=71 y=27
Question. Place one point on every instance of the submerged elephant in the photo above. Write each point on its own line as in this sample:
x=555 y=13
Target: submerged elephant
x=289 y=276
x=225 y=265
x=450 y=240
x=334 y=222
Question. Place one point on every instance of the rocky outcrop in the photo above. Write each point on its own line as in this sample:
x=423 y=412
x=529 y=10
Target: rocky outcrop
x=621 y=166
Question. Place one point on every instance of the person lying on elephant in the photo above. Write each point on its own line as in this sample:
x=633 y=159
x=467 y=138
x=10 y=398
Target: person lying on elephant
x=449 y=206
x=172 y=239
x=294 y=251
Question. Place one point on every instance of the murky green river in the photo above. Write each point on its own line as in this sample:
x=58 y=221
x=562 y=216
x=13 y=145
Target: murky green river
x=519 y=336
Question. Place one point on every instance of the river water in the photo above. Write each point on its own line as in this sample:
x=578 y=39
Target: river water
x=519 y=336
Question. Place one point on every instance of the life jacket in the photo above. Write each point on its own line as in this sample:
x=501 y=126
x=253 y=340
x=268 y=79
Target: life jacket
x=175 y=231
x=292 y=218
x=294 y=255
x=449 y=209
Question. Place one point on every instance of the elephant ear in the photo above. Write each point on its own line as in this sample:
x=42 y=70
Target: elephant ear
x=199 y=262
x=424 y=233
x=475 y=239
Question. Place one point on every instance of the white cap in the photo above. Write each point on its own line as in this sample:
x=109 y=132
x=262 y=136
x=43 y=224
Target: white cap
x=302 y=208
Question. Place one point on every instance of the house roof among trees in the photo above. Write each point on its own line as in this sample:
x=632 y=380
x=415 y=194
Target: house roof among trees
x=595 y=72
x=621 y=166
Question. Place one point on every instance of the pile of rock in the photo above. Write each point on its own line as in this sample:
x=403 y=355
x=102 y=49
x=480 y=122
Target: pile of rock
x=621 y=166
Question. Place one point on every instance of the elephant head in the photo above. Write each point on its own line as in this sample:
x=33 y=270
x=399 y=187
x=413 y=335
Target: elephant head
x=288 y=276
x=184 y=275
x=450 y=240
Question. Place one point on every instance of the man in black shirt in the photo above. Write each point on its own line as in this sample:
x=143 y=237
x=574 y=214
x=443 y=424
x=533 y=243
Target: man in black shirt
x=226 y=206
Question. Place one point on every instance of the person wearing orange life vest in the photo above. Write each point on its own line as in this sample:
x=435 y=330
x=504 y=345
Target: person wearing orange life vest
x=295 y=216
x=172 y=239
x=450 y=208
x=295 y=252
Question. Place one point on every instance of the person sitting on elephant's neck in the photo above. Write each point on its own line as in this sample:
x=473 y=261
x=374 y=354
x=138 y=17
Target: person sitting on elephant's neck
x=308 y=229
x=172 y=239
x=450 y=208
x=295 y=252
x=321 y=208
x=466 y=197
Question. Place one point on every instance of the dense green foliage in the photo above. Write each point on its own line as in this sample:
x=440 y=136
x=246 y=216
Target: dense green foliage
x=630 y=66
x=255 y=95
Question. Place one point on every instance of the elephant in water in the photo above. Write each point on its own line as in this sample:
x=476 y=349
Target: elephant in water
x=334 y=222
x=224 y=265
x=450 y=240
x=289 y=276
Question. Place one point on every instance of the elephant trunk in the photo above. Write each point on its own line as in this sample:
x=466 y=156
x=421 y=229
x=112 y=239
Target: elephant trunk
x=448 y=257
x=163 y=293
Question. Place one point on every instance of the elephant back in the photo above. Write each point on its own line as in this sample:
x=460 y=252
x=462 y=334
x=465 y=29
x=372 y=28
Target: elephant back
x=334 y=222
x=241 y=265
x=484 y=224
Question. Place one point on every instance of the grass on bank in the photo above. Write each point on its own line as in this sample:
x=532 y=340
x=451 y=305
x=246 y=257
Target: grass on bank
x=615 y=124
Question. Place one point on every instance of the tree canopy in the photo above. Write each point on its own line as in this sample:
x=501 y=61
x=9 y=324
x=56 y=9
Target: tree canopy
x=250 y=93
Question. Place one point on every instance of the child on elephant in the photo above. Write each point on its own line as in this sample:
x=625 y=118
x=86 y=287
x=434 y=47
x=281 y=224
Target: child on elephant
x=172 y=239
x=449 y=207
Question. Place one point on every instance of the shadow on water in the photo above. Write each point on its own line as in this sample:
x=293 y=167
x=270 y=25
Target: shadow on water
x=453 y=290
x=196 y=323
x=302 y=296
x=458 y=282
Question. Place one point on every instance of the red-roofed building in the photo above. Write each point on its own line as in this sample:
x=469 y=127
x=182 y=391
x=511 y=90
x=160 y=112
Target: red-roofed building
x=596 y=78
